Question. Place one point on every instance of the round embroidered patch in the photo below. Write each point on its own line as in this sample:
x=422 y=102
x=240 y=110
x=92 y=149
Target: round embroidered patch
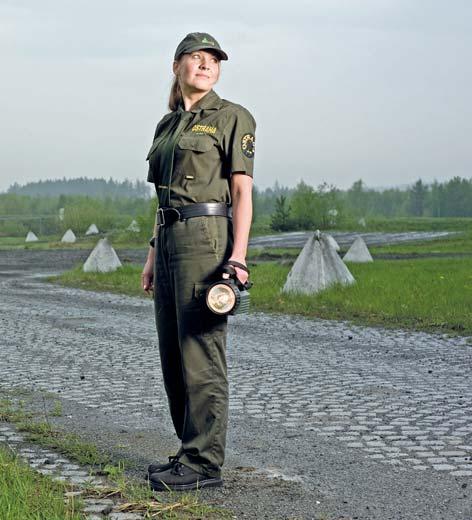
x=248 y=145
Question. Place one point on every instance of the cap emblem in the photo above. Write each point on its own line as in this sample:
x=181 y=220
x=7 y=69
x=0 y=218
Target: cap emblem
x=208 y=41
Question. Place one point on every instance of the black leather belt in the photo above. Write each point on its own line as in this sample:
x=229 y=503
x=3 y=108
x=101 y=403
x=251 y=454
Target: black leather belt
x=167 y=216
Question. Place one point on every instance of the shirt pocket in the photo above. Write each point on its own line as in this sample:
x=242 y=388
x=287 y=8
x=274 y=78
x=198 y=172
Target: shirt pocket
x=200 y=144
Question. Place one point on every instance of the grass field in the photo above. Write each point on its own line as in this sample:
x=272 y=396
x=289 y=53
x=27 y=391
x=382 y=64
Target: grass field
x=424 y=294
x=454 y=245
x=418 y=285
x=125 y=280
x=27 y=495
x=122 y=240
x=126 y=239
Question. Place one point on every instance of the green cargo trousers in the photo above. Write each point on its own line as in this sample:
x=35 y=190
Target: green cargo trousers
x=192 y=340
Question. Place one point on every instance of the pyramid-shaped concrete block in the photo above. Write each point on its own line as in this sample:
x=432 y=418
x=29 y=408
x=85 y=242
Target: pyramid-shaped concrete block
x=358 y=252
x=317 y=267
x=102 y=259
x=92 y=230
x=68 y=237
x=31 y=237
x=134 y=227
x=332 y=242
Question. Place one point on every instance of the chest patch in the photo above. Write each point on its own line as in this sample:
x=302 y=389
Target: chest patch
x=248 y=145
x=204 y=129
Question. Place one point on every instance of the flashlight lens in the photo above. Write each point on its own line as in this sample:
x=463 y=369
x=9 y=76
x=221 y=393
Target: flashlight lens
x=221 y=298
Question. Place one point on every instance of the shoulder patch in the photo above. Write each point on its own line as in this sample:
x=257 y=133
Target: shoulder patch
x=248 y=145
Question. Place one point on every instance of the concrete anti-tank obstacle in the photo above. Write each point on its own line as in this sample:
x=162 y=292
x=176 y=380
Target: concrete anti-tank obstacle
x=68 y=237
x=92 y=230
x=102 y=259
x=358 y=252
x=317 y=267
x=333 y=242
x=134 y=227
x=31 y=237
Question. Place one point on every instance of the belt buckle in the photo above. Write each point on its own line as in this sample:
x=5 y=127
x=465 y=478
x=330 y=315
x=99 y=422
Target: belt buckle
x=161 y=218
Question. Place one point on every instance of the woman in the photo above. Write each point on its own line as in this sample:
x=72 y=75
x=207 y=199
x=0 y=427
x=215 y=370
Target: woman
x=201 y=162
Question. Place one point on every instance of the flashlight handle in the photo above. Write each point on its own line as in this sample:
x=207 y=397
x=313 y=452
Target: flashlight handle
x=229 y=268
x=233 y=263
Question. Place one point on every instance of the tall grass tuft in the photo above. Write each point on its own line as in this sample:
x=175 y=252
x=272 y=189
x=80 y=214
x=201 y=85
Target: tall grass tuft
x=27 y=495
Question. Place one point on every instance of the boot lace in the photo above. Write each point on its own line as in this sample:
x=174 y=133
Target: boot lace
x=178 y=469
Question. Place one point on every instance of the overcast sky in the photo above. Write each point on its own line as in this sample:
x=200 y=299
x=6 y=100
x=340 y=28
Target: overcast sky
x=341 y=90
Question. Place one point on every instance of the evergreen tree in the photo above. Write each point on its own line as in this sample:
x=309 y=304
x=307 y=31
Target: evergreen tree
x=303 y=204
x=280 y=220
x=417 y=194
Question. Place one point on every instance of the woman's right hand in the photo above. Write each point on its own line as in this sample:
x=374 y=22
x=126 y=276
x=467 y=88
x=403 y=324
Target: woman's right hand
x=147 y=277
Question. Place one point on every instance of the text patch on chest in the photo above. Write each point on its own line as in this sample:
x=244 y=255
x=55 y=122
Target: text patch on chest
x=204 y=129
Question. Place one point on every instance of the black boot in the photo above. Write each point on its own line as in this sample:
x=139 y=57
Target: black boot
x=157 y=467
x=182 y=478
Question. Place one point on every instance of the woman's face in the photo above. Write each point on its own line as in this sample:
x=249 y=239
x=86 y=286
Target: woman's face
x=198 y=71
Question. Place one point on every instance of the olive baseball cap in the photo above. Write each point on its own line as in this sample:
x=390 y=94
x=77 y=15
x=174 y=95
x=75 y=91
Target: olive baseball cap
x=198 y=42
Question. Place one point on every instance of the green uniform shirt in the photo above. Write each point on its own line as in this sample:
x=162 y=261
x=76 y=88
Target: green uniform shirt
x=194 y=153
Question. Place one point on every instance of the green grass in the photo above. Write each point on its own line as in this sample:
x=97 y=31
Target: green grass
x=135 y=496
x=40 y=431
x=457 y=244
x=433 y=294
x=125 y=280
x=27 y=495
x=424 y=294
x=122 y=240
x=261 y=226
x=45 y=242
x=274 y=253
x=396 y=224
x=399 y=224
x=454 y=245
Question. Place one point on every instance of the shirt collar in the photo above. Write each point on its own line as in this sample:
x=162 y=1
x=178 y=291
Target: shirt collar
x=210 y=101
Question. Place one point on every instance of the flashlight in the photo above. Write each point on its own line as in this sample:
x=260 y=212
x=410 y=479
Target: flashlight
x=229 y=296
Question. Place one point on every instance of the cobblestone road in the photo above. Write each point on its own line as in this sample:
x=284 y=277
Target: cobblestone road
x=400 y=398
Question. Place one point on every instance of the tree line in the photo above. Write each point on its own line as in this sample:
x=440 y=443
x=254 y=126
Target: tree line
x=100 y=188
x=325 y=206
x=280 y=208
x=22 y=213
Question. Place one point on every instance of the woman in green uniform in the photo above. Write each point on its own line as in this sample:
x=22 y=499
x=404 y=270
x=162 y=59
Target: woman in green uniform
x=201 y=163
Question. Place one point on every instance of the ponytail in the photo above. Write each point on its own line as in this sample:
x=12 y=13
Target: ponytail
x=175 y=97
